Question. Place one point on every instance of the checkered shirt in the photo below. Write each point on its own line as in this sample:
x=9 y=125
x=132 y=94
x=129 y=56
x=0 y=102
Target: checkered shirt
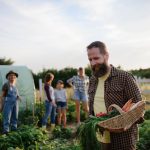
x=119 y=87
x=80 y=84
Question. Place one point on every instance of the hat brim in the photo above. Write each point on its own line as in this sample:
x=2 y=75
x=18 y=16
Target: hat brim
x=16 y=74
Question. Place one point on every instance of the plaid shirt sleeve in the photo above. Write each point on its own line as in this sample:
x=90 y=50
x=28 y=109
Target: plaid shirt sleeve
x=131 y=89
x=70 y=80
x=91 y=94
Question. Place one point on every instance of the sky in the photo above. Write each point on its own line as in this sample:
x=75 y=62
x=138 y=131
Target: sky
x=55 y=33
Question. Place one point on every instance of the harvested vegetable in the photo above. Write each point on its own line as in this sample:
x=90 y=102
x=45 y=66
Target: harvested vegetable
x=87 y=132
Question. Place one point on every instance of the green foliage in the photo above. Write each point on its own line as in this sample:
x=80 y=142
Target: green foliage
x=64 y=133
x=143 y=73
x=39 y=112
x=24 y=138
x=4 y=61
x=147 y=115
x=71 y=112
x=32 y=138
x=26 y=117
x=144 y=134
x=62 y=74
x=88 y=71
x=67 y=73
x=71 y=106
x=82 y=115
x=87 y=132
x=61 y=144
x=0 y=122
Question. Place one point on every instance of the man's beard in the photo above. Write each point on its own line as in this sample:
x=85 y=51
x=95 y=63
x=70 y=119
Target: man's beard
x=100 y=70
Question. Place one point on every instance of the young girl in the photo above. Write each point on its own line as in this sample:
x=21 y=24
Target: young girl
x=60 y=96
x=50 y=105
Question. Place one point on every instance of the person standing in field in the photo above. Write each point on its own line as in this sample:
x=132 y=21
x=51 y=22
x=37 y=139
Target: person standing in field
x=50 y=105
x=80 y=83
x=109 y=85
x=61 y=101
x=10 y=97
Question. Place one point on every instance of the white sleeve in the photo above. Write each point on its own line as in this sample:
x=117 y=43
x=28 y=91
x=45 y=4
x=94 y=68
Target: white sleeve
x=52 y=93
x=55 y=94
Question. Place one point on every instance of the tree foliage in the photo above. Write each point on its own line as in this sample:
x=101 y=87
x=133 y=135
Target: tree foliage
x=143 y=73
x=4 y=61
x=67 y=73
x=63 y=74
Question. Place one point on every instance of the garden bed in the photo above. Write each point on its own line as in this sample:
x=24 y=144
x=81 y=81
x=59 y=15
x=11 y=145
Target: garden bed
x=30 y=136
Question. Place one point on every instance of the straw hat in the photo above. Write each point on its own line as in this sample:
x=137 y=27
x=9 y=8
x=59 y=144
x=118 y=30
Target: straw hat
x=11 y=72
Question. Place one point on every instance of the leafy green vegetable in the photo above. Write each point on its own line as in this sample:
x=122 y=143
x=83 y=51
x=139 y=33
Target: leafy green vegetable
x=147 y=115
x=64 y=133
x=87 y=131
x=24 y=137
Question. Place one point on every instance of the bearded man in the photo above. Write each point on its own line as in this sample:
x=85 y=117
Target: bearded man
x=109 y=85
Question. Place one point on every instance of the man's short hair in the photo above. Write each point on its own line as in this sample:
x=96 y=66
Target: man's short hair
x=98 y=44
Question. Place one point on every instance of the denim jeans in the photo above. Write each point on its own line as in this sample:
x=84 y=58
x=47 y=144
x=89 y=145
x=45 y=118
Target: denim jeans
x=10 y=114
x=10 y=110
x=49 y=112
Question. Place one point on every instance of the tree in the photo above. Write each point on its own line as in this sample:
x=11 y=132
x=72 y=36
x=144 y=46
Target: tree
x=88 y=71
x=4 y=61
x=143 y=73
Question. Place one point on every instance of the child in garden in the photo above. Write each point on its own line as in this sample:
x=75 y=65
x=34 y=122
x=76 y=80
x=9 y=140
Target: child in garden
x=10 y=97
x=50 y=105
x=61 y=99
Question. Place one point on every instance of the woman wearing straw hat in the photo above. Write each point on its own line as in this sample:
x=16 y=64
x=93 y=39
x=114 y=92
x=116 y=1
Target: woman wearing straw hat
x=10 y=109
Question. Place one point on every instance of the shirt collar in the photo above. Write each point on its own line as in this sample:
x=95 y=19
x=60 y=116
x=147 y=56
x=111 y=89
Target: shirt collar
x=113 y=71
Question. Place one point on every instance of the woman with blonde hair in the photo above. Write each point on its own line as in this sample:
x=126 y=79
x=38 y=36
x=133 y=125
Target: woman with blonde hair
x=80 y=84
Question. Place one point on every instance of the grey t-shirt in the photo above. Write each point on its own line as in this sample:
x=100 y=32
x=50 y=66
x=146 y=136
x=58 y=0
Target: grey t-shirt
x=60 y=95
